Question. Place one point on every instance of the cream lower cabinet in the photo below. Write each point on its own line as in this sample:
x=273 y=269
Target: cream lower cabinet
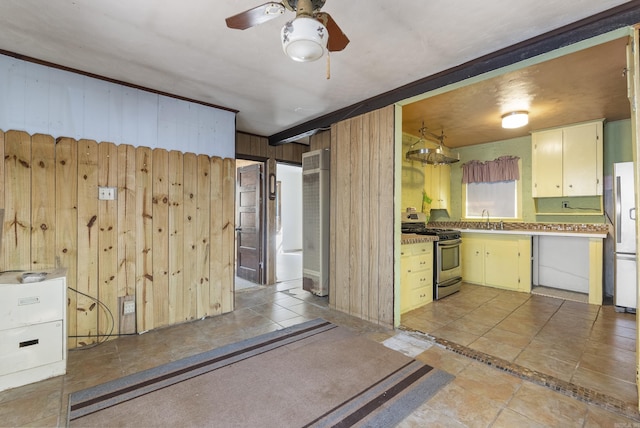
x=416 y=278
x=502 y=261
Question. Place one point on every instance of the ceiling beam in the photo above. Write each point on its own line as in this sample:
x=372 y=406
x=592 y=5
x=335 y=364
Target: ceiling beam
x=621 y=16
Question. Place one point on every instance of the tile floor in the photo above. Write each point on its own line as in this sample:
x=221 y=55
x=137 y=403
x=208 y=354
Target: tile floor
x=480 y=395
x=586 y=350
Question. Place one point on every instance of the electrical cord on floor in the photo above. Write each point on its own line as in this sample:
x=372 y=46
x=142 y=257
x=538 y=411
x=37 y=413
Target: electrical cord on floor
x=113 y=322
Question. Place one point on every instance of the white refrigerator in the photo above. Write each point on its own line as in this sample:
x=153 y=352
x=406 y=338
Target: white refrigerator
x=624 y=222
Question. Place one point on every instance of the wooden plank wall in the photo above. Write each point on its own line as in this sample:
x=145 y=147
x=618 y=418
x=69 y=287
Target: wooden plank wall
x=165 y=243
x=253 y=147
x=321 y=140
x=362 y=216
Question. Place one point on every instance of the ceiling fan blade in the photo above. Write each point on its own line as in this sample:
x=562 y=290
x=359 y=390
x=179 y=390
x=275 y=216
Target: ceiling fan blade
x=337 y=39
x=257 y=15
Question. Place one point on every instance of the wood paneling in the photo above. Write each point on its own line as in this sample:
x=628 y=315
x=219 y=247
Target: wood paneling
x=253 y=147
x=87 y=281
x=176 y=237
x=203 y=228
x=190 y=184
x=144 y=240
x=43 y=202
x=361 y=256
x=228 y=233
x=217 y=223
x=16 y=242
x=66 y=192
x=160 y=238
x=321 y=140
x=151 y=245
x=127 y=232
x=107 y=241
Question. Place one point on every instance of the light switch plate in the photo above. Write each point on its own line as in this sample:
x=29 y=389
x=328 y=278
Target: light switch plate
x=106 y=193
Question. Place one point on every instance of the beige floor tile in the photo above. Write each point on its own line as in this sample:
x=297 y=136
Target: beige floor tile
x=547 y=407
x=510 y=419
x=598 y=417
x=561 y=350
x=479 y=396
x=489 y=382
x=452 y=333
x=444 y=360
x=625 y=391
x=618 y=363
x=544 y=364
x=496 y=349
x=488 y=314
x=498 y=334
x=518 y=326
x=471 y=409
x=428 y=417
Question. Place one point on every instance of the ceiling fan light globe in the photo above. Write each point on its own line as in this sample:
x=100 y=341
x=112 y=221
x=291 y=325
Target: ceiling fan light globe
x=304 y=39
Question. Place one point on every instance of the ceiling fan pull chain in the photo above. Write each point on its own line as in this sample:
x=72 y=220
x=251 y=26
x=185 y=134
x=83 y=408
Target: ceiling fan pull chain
x=328 y=66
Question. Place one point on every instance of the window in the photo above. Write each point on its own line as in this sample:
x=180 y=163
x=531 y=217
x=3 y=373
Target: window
x=493 y=187
x=499 y=198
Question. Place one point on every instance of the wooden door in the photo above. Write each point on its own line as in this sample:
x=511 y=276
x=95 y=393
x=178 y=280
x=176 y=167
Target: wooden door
x=249 y=223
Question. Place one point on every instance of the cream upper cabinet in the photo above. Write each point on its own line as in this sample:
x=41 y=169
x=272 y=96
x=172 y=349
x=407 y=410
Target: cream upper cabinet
x=568 y=161
x=546 y=163
x=438 y=185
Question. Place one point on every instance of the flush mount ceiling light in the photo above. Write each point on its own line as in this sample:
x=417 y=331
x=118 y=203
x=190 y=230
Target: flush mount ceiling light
x=304 y=39
x=515 y=119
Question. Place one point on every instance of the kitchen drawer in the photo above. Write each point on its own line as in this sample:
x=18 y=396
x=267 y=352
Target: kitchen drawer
x=420 y=279
x=34 y=303
x=24 y=348
x=421 y=296
x=422 y=248
x=418 y=263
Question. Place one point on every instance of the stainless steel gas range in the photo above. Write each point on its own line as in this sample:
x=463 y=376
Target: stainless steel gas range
x=447 y=267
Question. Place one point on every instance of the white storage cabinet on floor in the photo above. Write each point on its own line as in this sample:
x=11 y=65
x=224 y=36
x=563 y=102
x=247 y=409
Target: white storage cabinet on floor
x=33 y=329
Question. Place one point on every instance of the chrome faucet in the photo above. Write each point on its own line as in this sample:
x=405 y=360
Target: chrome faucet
x=487 y=224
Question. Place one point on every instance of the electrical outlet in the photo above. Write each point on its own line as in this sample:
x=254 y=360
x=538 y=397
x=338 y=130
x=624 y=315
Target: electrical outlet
x=128 y=307
x=106 y=193
x=565 y=204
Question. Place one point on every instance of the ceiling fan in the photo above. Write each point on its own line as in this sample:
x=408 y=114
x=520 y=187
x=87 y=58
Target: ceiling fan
x=304 y=38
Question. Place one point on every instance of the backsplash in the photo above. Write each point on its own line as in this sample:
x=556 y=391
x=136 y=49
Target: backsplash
x=568 y=227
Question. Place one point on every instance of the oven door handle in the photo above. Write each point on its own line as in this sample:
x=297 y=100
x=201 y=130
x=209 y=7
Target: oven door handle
x=449 y=244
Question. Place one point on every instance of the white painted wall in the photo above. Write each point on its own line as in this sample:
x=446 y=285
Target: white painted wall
x=39 y=99
x=291 y=203
x=563 y=262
